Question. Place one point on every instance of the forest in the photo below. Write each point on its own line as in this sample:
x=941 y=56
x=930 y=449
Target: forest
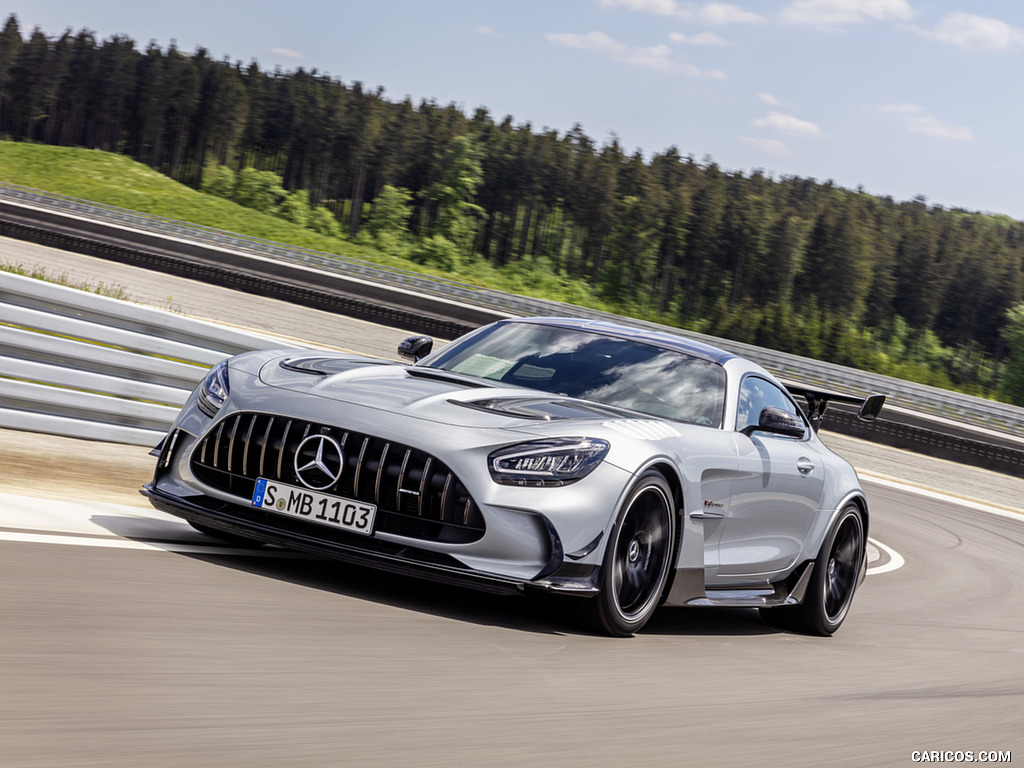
x=899 y=287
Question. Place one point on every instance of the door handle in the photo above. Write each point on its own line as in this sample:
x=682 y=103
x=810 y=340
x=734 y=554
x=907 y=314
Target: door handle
x=806 y=466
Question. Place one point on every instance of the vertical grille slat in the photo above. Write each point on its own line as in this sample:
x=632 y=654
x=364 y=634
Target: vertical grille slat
x=248 y=442
x=263 y=449
x=401 y=478
x=381 y=469
x=231 y=441
x=280 y=450
x=423 y=484
x=359 y=467
x=444 y=497
x=416 y=495
x=216 y=445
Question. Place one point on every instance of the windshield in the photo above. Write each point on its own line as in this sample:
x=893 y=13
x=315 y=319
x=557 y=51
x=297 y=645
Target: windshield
x=621 y=372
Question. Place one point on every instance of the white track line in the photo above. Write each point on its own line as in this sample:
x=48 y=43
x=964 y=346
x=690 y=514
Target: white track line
x=885 y=482
x=165 y=546
x=895 y=559
x=87 y=523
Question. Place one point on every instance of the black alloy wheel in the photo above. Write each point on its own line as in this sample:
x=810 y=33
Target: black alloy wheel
x=837 y=572
x=638 y=560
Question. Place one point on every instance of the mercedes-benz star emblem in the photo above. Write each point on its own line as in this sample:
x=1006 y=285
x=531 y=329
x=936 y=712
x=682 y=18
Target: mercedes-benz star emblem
x=318 y=462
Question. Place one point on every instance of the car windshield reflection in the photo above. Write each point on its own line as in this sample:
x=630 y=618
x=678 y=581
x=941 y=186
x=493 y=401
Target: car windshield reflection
x=620 y=372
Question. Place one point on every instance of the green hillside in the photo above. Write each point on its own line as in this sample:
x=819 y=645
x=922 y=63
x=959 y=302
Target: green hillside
x=104 y=177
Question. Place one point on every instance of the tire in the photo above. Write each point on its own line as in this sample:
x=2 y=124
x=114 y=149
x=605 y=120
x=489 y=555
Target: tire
x=231 y=538
x=637 y=561
x=837 y=571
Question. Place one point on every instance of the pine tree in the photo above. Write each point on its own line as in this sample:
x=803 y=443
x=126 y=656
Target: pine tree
x=10 y=48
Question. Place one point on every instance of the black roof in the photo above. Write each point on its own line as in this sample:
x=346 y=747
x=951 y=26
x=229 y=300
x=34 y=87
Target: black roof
x=656 y=338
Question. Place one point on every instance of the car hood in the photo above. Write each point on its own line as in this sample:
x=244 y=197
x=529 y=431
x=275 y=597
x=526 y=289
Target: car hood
x=426 y=393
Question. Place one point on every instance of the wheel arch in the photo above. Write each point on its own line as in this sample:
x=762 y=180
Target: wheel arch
x=861 y=502
x=675 y=482
x=674 y=479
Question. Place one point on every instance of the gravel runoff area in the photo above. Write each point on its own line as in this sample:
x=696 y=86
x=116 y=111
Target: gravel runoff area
x=115 y=472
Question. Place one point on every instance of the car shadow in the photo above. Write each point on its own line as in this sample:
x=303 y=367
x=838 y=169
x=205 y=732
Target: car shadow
x=358 y=582
x=533 y=613
x=708 y=622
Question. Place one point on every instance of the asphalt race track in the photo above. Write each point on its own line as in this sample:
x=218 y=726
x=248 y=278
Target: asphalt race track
x=128 y=640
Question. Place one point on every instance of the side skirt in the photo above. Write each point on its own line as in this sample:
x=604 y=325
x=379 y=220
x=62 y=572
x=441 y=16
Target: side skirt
x=791 y=591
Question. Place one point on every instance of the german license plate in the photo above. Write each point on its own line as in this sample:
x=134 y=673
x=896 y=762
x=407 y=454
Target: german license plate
x=335 y=511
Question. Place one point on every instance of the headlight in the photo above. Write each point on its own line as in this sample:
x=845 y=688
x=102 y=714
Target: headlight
x=558 y=461
x=214 y=389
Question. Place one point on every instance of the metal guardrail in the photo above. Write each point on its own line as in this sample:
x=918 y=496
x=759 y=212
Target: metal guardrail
x=81 y=365
x=934 y=402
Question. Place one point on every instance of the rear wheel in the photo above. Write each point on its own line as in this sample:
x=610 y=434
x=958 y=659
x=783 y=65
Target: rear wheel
x=837 y=571
x=638 y=559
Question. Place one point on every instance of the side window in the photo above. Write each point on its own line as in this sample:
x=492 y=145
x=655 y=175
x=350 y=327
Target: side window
x=756 y=394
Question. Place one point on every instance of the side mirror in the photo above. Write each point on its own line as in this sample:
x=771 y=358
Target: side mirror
x=415 y=348
x=777 y=422
x=871 y=407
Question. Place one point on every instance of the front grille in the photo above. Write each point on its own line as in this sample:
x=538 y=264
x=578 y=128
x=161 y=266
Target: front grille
x=416 y=494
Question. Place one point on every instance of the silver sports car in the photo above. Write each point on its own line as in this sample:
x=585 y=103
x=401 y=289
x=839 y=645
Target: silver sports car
x=623 y=469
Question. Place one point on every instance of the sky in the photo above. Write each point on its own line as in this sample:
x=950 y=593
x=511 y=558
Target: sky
x=900 y=98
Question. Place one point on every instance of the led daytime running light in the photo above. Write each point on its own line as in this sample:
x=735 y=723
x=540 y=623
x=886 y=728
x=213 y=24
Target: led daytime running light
x=547 y=462
x=213 y=392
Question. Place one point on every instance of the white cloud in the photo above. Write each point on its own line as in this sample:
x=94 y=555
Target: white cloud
x=713 y=14
x=788 y=125
x=830 y=13
x=717 y=14
x=656 y=57
x=287 y=53
x=592 y=41
x=485 y=31
x=979 y=32
x=702 y=38
x=902 y=109
x=655 y=7
x=768 y=99
x=660 y=58
x=768 y=146
x=917 y=122
x=926 y=125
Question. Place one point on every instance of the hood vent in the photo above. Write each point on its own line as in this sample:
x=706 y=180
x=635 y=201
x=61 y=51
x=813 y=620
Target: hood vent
x=326 y=366
x=542 y=409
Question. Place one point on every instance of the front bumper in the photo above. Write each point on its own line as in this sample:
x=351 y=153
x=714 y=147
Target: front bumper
x=269 y=528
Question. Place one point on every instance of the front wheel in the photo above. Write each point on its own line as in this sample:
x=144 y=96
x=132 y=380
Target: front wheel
x=837 y=571
x=638 y=559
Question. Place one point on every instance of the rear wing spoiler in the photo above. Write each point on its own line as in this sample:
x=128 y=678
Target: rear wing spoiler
x=818 y=400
